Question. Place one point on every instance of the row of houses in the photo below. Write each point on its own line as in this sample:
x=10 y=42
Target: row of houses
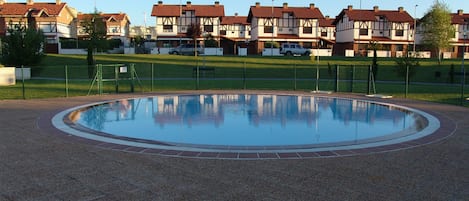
x=348 y=34
x=58 y=21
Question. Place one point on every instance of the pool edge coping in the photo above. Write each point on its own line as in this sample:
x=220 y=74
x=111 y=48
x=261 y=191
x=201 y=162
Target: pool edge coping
x=446 y=128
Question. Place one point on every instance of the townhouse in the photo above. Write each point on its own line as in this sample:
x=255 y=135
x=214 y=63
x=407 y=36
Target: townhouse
x=393 y=30
x=285 y=24
x=327 y=33
x=460 y=21
x=173 y=22
x=117 y=25
x=235 y=32
x=57 y=20
x=147 y=32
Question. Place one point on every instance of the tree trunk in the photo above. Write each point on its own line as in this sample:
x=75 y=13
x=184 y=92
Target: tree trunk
x=439 y=56
x=90 y=60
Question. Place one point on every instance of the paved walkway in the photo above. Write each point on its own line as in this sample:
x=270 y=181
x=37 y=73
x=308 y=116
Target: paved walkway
x=36 y=164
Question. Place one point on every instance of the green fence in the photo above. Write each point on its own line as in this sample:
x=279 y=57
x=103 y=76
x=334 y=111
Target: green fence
x=442 y=84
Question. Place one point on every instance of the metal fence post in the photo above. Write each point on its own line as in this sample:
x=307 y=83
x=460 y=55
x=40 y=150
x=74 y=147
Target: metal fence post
x=100 y=79
x=22 y=82
x=152 y=76
x=198 y=77
x=116 y=77
x=132 y=77
x=352 y=79
x=337 y=75
x=66 y=81
x=294 y=77
x=406 y=81
x=244 y=76
x=369 y=80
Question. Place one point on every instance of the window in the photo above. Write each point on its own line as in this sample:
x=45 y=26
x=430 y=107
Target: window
x=324 y=33
x=399 y=32
x=399 y=47
x=307 y=30
x=269 y=25
x=363 y=32
x=167 y=24
x=287 y=20
x=113 y=29
x=208 y=28
x=167 y=28
x=308 y=27
x=208 y=24
x=223 y=32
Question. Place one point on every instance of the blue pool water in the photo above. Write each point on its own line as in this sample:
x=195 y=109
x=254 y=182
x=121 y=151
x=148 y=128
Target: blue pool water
x=249 y=120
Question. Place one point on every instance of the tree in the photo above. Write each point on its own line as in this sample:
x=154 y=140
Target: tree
x=94 y=26
x=194 y=31
x=23 y=45
x=406 y=66
x=437 y=30
x=375 y=46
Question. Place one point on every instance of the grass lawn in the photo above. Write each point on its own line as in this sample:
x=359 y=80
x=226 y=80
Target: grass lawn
x=432 y=81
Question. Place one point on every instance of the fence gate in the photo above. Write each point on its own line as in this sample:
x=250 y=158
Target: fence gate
x=114 y=73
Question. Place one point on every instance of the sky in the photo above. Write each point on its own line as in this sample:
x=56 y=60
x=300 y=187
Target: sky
x=140 y=10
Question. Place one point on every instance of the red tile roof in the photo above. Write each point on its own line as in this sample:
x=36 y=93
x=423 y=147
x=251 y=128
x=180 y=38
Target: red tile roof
x=459 y=18
x=326 y=22
x=15 y=9
x=370 y=15
x=298 y=12
x=235 y=20
x=161 y=10
x=106 y=16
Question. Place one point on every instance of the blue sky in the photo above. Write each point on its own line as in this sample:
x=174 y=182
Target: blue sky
x=138 y=9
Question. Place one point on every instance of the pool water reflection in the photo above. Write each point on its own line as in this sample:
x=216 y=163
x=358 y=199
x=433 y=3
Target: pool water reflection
x=250 y=120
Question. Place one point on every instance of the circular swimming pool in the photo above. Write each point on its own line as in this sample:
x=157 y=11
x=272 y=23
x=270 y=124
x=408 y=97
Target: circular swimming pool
x=246 y=122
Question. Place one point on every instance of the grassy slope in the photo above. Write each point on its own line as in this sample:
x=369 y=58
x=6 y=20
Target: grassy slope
x=172 y=66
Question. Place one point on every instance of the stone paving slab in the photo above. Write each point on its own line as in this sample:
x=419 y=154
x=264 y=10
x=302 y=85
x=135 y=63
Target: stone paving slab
x=38 y=165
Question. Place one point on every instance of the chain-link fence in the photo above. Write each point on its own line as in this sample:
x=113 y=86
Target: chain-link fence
x=442 y=84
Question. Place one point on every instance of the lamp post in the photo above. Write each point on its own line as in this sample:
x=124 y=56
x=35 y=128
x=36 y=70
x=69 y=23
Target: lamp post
x=463 y=70
x=272 y=42
x=415 y=27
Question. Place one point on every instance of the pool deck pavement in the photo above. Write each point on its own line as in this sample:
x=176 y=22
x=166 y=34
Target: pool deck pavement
x=36 y=163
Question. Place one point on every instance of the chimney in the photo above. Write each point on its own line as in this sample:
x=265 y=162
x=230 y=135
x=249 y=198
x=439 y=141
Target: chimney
x=236 y=14
x=349 y=7
x=258 y=4
x=29 y=2
x=58 y=2
x=189 y=4
x=217 y=3
x=327 y=17
x=460 y=12
x=285 y=5
x=312 y=6
x=160 y=3
x=376 y=8
x=400 y=9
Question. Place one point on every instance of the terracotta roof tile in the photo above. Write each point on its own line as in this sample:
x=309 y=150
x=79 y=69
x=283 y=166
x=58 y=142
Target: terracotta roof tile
x=106 y=16
x=298 y=12
x=370 y=15
x=457 y=18
x=326 y=22
x=160 y=10
x=22 y=9
x=235 y=20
